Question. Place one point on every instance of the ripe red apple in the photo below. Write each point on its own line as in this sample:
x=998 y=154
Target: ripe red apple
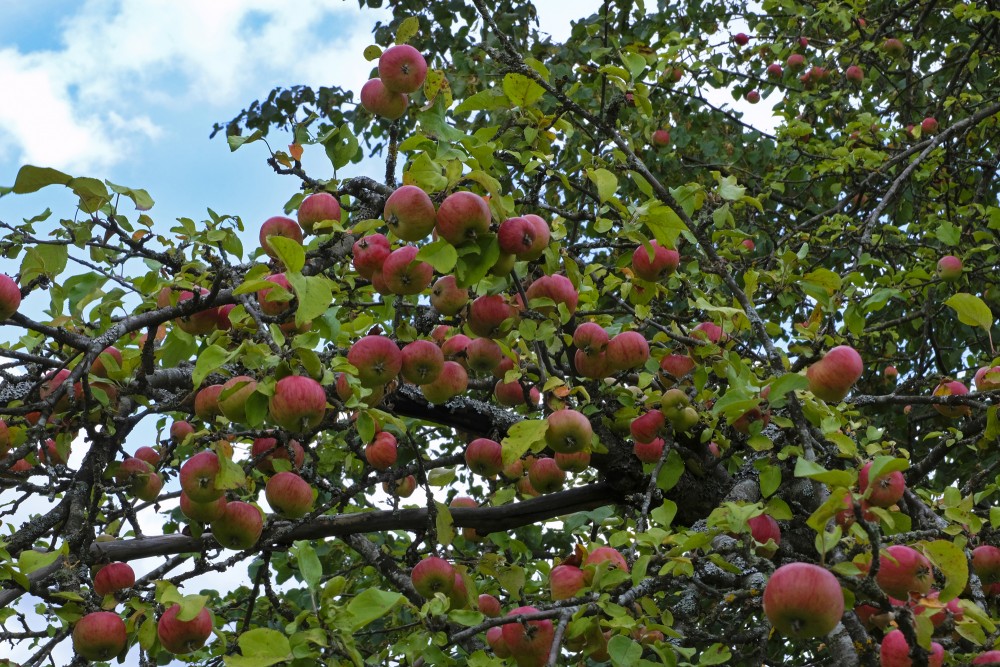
x=575 y=462
x=803 y=601
x=494 y=637
x=648 y=452
x=628 y=350
x=753 y=97
x=447 y=297
x=764 y=528
x=233 y=398
x=403 y=488
x=488 y=605
x=854 y=74
x=646 y=427
x=895 y=652
x=49 y=453
x=986 y=563
x=511 y=394
x=483 y=355
x=545 y=475
x=452 y=381
x=748 y=245
x=276 y=301
x=289 y=495
x=369 y=253
x=114 y=577
x=894 y=47
x=952 y=388
x=198 y=475
x=568 y=431
x=832 y=377
x=656 y=261
x=488 y=313
x=591 y=366
x=206 y=402
x=317 y=208
x=902 y=570
x=949 y=268
x=741 y=39
x=240 y=525
x=529 y=643
x=887 y=489
x=708 y=331
x=377 y=359
x=381 y=452
x=298 y=403
x=180 y=430
x=454 y=348
x=422 y=362
x=433 y=575
x=591 y=338
x=404 y=274
x=988 y=658
x=108 y=356
x=660 y=137
x=795 y=62
x=557 y=288
x=463 y=217
x=266 y=450
x=181 y=637
x=891 y=374
x=524 y=237
x=775 y=71
x=10 y=297
x=4 y=438
x=141 y=477
x=52 y=383
x=409 y=213
x=541 y=235
x=677 y=365
x=565 y=581
x=99 y=636
x=484 y=457
x=608 y=555
x=202 y=512
x=402 y=69
x=987 y=378
x=378 y=100
x=144 y=453
x=279 y=226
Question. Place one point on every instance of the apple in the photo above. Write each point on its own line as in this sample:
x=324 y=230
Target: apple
x=895 y=652
x=381 y=452
x=378 y=100
x=197 y=476
x=454 y=348
x=854 y=74
x=404 y=274
x=775 y=71
x=266 y=450
x=273 y=301
x=648 y=452
x=144 y=453
x=708 y=331
x=240 y=525
x=488 y=605
x=753 y=97
x=10 y=297
x=202 y=512
x=433 y=575
x=628 y=350
x=99 y=636
x=565 y=581
x=452 y=381
x=524 y=237
x=4 y=438
x=952 y=388
x=887 y=489
x=403 y=488
x=741 y=39
x=803 y=601
x=529 y=643
x=107 y=355
x=463 y=217
x=654 y=262
x=762 y=529
x=49 y=453
x=660 y=137
x=511 y=394
x=568 y=431
x=987 y=378
x=646 y=427
x=949 y=268
x=114 y=577
x=141 y=477
x=459 y=595
x=488 y=313
x=369 y=253
x=447 y=297
x=557 y=288
x=891 y=374
x=832 y=377
x=181 y=637
x=494 y=637
x=298 y=403
x=402 y=69
x=279 y=226
x=233 y=398
x=545 y=475
x=748 y=245
x=677 y=365
x=608 y=555
x=986 y=563
x=206 y=402
x=483 y=355
x=289 y=495
x=180 y=430
x=422 y=362
x=52 y=383
x=591 y=338
x=796 y=62
x=988 y=658
x=317 y=208
x=377 y=359
x=893 y=47
x=409 y=213
x=904 y=570
x=575 y=462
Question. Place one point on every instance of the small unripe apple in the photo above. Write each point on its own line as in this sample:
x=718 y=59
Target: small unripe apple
x=832 y=377
x=803 y=601
x=100 y=636
x=240 y=525
x=316 y=208
x=378 y=100
x=298 y=403
x=402 y=68
x=887 y=488
x=949 y=268
x=182 y=637
x=433 y=575
x=10 y=297
x=114 y=577
x=278 y=226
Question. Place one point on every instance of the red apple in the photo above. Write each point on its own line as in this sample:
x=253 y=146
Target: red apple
x=594 y=366
x=988 y=658
x=559 y=289
x=10 y=297
x=654 y=262
x=565 y=581
x=49 y=453
x=433 y=575
x=233 y=398
x=206 y=402
x=317 y=208
x=447 y=297
x=144 y=453
x=952 y=388
x=895 y=652
x=463 y=217
x=764 y=528
x=141 y=477
x=795 y=62
x=369 y=253
x=180 y=430
x=240 y=525
x=660 y=137
x=628 y=350
x=529 y=643
x=803 y=601
x=197 y=476
x=854 y=74
x=403 y=488
x=887 y=489
x=832 y=377
x=949 y=268
x=181 y=637
x=454 y=348
x=591 y=338
x=404 y=274
x=488 y=605
x=568 y=431
x=904 y=570
x=677 y=365
x=202 y=512
x=987 y=378
x=741 y=39
x=402 y=69
x=298 y=403
x=108 y=356
x=775 y=71
x=377 y=359
x=608 y=555
x=483 y=355
x=545 y=475
x=422 y=362
x=4 y=438
x=266 y=450
x=452 y=381
x=52 y=383
x=575 y=462
x=114 y=577
x=488 y=313
x=511 y=394
x=494 y=637
x=986 y=563
x=378 y=100
x=99 y=636
x=381 y=452
x=648 y=452
x=708 y=331
x=484 y=457
x=891 y=374
x=279 y=226
x=753 y=97
x=409 y=213
x=276 y=301
x=289 y=495
x=646 y=427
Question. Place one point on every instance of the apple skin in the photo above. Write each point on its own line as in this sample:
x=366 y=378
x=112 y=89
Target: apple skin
x=377 y=358
x=100 y=636
x=488 y=605
x=952 y=388
x=565 y=581
x=663 y=262
x=484 y=457
x=949 y=268
x=854 y=74
x=646 y=427
x=52 y=383
x=988 y=658
x=433 y=575
x=404 y=274
x=278 y=225
x=832 y=377
x=762 y=529
x=887 y=489
x=591 y=338
x=270 y=449
x=182 y=637
x=557 y=288
x=198 y=475
x=660 y=138
x=316 y=208
x=114 y=577
x=234 y=395
x=179 y=430
x=576 y=462
x=289 y=495
x=605 y=554
x=272 y=302
x=409 y=213
x=904 y=570
x=487 y=314
x=369 y=253
x=463 y=217
x=803 y=601
x=381 y=453
x=677 y=365
x=741 y=39
x=753 y=97
x=494 y=637
x=796 y=62
x=298 y=403
x=524 y=237
x=240 y=525
x=144 y=453
x=10 y=297
x=378 y=100
x=542 y=235
x=447 y=297
x=985 y=383
x=895 y=652
x=775 y=71
x=483 y=355
x=986 y=563
x=648 y=452
x=402 y=69
x=628 y=350
x=545 y=475
x=202 y=512
x=568 y=431
x=591 y=366
x=452 y=381
x=529 y=643
x=708 y=331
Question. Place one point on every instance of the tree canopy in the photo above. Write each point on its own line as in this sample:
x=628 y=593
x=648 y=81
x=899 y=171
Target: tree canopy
x=565 y=359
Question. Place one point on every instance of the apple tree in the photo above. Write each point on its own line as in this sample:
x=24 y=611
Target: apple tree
x=669 y=344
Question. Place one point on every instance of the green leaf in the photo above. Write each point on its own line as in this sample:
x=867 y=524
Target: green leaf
x=289 y=252
x=43 y=260
x=521 y=437
x=671 y=471
x=770 y=480
x=314 y=294
x=717 y=654
x=606 y=182
x=664 y=223
x=624 y=652
x=490 y=99
x=444 y=524
x=950 y=559
x=971 y=310
x=372 y=52
x=426 y=174
x=261 y=647
x=521 y=91
x=231 y=475
x=93 y=193
x=813 y=470
x=139 y=197
x=209 y=361
x=729 y=189
x=664 y=514
x=191 y=606
x=440 y=254
x=782 y=386
x=407 y=29
x=883 y=465
x=31 y=179
x=30 y=560
x=309 y=563
x=371 y=604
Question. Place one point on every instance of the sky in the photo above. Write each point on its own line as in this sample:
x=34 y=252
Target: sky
x=128 y=92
